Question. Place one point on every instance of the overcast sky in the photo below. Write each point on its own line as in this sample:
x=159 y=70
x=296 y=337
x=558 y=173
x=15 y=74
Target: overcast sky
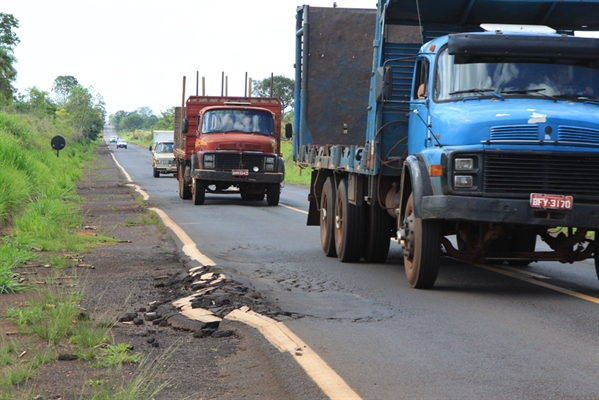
x=136 y=52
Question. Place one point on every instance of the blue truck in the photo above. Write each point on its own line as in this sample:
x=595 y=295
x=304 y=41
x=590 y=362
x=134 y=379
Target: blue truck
x=460 y=128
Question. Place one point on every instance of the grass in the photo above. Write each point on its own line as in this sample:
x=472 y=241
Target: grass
x=293 y=174
x=39 y=218
x=151 y=218
x=117 y=355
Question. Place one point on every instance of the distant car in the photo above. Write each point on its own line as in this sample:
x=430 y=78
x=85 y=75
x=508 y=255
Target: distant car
x=113 y=139
x=121 y=143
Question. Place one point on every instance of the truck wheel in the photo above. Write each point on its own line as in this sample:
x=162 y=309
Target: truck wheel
x=273 y=193
x=522 y=242
x=349 y=226
x=327 y=217
x=377 y=234
x=155 y=172
x=422 y=248
x=184 y=190
x=198 y=191
x=181 y=180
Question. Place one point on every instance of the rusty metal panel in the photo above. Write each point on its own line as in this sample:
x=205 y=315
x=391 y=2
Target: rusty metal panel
x=339 y=70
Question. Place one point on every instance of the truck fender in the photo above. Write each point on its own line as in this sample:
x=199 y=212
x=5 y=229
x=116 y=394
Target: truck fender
x=415 y=180
x=194 y=161
x=281 y=166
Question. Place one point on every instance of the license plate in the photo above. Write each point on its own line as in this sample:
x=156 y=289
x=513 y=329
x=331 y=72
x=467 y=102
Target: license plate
x=551 y=201
x=240 y=172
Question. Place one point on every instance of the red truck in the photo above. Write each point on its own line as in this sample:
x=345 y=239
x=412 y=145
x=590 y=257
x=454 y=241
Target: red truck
x=229 y=145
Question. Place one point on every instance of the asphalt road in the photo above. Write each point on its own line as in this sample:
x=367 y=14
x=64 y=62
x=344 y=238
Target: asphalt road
x=529 y=333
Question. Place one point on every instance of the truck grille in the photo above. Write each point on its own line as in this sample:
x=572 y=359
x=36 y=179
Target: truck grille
x=518 y=175
x=227 y=162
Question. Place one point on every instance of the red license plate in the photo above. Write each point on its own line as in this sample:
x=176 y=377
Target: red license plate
x=240 y=172
x=551 y=201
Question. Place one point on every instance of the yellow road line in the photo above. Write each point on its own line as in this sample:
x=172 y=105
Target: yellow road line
x=293 y=208
x=538 y=283
x=286 y=341
x=189 y=246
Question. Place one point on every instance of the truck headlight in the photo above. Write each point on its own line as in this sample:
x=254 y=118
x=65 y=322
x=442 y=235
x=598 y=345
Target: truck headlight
x=208 y=160
x=464 y=164
x=462 y=181
x=269 y=164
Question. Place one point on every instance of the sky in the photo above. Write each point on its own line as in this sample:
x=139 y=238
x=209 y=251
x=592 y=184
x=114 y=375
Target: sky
x=135 y=53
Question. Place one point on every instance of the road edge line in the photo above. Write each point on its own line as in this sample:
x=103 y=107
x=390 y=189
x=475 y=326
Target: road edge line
x=285 y=340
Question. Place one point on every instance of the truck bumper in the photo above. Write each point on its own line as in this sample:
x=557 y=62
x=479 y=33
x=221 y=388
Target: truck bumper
x=167 y=170
x=507 y=211
x=227 y=176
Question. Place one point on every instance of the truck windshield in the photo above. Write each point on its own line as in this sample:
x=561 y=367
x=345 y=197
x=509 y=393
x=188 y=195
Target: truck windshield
x=514 y=78
x=247 y=121
x=164 y=148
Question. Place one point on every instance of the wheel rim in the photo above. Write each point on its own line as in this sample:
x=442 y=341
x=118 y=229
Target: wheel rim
x=327 y=218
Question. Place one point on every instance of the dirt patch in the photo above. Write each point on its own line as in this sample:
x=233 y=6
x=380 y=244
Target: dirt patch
x=135 y=282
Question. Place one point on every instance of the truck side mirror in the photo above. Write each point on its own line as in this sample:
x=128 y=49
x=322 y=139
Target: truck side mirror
x=288 y=131
x=150 y=147
x=383 y=83
x=185 y=126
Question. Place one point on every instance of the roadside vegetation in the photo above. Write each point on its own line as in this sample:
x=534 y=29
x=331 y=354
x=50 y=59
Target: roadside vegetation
x=39 y=221
x=39 y=224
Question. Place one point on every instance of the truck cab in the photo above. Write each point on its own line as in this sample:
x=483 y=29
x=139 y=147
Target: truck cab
x=232 y=146
x=474 y=125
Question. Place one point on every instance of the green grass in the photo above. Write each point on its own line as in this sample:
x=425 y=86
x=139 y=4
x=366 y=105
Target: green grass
x=151 y=218
x=39 y=218
x=117 y=354
x=293 y=174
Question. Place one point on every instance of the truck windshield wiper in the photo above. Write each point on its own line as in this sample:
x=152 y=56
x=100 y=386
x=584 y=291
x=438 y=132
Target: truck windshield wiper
x=479 y=91
x=527 y=91
x=575 y=97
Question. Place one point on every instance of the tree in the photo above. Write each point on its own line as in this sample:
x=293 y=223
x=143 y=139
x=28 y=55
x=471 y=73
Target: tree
x=86 y=111
x=40 y=102
x=8 y=74
x=145 y=112
x=132 y=122
x=167 y=120
x=8 y=39
x=282 y=88
x=63 y=85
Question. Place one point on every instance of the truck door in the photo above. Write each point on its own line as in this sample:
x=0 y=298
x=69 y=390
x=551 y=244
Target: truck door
x=419 y=107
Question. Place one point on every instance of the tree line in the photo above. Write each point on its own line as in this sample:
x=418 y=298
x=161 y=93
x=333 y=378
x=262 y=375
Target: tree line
x=143 y=119
x=84 y=109
x=78 y=106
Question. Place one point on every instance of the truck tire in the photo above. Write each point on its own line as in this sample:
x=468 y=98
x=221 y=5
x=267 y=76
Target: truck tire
x=377 y=234
x=327 y=217
x=184 y=190
x=422 y=248
x=349 y=226
x=155 y=172
x=273 y=193
x=524 y=242
x=198 y=191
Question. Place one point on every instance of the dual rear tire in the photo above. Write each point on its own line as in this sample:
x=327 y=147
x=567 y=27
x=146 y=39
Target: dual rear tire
x=184 y=190
x=351 y=232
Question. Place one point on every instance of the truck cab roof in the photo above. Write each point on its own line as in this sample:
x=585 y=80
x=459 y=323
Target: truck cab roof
x=467 y=15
